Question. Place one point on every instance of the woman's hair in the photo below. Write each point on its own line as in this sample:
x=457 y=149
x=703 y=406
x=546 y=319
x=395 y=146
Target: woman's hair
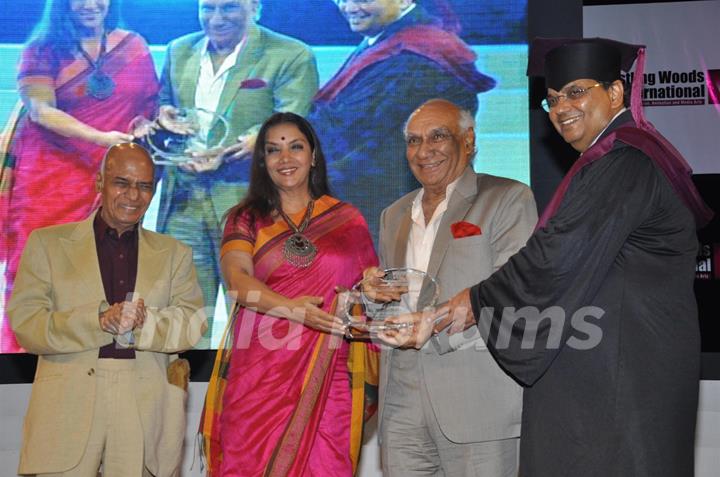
x=57 y=30
x=263 y=197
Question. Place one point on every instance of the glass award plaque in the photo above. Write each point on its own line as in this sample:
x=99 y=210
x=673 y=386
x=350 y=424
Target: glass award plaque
x=370 y=302
x=190 y=130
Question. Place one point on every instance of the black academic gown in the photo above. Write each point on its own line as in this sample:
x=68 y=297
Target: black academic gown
x=624 y=242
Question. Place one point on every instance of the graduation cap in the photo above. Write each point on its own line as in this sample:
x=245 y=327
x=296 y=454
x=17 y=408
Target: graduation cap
x=562 y=60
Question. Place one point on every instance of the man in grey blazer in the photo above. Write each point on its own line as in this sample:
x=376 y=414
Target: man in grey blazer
x=448 y=409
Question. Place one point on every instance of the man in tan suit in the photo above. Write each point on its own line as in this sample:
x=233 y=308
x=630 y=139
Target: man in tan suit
x=459 y=227
x=106 y=305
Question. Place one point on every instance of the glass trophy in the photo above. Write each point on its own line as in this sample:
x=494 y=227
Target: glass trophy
x=370 y=302
x=190 y=130
x=125 y=340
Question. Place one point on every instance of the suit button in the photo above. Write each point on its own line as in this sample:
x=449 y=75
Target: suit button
x=91 y=371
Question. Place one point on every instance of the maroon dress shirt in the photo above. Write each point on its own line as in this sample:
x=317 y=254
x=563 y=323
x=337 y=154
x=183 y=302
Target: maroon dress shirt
x=118 y=259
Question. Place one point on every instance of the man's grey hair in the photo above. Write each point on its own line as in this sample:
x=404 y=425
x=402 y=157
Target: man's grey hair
x=255 y=6
x=466 y=121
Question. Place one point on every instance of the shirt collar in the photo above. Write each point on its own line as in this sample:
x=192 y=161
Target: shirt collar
x=605 y=128
x=103 y=230
x=417 y=212
x=231 y=58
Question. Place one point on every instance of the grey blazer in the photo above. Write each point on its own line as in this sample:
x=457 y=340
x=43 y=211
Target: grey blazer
x=472 y=398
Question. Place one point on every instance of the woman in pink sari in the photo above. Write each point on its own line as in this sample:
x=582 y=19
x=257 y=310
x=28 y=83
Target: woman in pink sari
x=84 y=83
x=289 y=395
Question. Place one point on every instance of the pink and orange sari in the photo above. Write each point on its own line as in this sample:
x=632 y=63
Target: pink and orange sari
x=286 y=400
x=46 y=178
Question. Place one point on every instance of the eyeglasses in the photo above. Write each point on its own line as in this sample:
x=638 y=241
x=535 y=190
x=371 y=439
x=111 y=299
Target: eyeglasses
x=436 y=137
x=573 y=94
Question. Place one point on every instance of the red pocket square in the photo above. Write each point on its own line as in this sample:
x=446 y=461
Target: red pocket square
x=464 y=229
x=253 y=83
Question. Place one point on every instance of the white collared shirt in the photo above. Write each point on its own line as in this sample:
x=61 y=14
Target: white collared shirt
x=422 y=236
x=211 y=83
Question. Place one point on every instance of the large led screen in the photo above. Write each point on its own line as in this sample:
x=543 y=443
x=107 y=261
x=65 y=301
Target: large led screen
x=472 y=52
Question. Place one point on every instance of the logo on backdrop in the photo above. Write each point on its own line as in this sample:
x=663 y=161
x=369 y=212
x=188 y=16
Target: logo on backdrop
x=679 y=88
x=708 y=262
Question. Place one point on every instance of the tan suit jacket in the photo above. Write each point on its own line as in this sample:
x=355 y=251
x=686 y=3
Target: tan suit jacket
x=471 y=397
x=54 y=314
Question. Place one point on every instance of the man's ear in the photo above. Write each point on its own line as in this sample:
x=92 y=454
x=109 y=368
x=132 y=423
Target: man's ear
x=617 y=94
x=98 y=182
x=469 y=139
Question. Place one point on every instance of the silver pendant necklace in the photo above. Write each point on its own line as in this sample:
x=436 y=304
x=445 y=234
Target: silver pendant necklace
x=299 y=251
x=99 y=85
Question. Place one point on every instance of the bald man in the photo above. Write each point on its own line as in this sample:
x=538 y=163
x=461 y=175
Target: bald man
x=106 y=305
x=448 y=409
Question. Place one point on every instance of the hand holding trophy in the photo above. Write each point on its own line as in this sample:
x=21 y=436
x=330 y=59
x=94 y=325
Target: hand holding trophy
x=387 y=305
x=190 y=138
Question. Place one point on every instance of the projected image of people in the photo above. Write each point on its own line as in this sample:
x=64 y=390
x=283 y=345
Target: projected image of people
x=83 y=81
x=244 y=72
x=355 y=69
x=406 y=57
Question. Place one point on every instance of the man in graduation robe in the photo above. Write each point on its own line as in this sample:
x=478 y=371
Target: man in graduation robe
x=407 y=57
x=596 y=315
